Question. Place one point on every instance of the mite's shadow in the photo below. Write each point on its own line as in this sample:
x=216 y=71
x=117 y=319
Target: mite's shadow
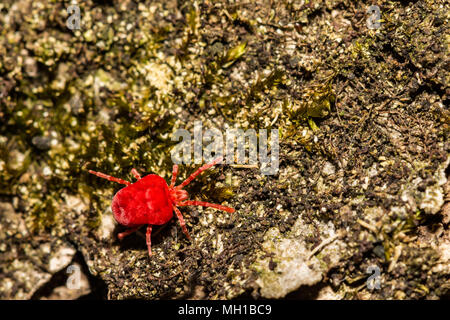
x=136 y=241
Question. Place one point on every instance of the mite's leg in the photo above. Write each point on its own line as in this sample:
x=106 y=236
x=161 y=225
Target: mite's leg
x=135 y=173
x=205 y=204
x=199 y=170
x=126 y=233
x=107 y=177
x=174 y=175
x=182 y=223
x=149 y=239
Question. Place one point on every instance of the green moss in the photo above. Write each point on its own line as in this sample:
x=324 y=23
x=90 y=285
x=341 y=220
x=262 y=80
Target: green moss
x=95 y=97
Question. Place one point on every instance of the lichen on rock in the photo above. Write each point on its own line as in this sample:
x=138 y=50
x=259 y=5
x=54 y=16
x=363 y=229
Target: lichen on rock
x=363 y=167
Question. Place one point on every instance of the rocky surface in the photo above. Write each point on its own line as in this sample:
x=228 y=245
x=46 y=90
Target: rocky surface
x=363 y=120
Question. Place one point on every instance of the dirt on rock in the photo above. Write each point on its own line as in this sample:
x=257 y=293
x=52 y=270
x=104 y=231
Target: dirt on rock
x=363 y=122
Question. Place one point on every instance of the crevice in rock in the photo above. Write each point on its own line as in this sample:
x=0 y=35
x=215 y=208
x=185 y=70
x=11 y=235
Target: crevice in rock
x=306 y=292
x=98 y=288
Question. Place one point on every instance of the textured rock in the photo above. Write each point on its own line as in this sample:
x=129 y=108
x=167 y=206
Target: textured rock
x=363 y=147
x=289 y=263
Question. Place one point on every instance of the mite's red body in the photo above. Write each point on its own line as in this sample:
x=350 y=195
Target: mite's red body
x=150 y=201
x=146 y=201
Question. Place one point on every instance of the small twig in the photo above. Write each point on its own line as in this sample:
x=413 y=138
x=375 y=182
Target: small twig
x=165 y=278
x=368 y=226
x=244 y=166
x=323 y=244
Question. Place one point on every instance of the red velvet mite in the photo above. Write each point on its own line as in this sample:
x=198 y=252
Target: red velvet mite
x=150 y=201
